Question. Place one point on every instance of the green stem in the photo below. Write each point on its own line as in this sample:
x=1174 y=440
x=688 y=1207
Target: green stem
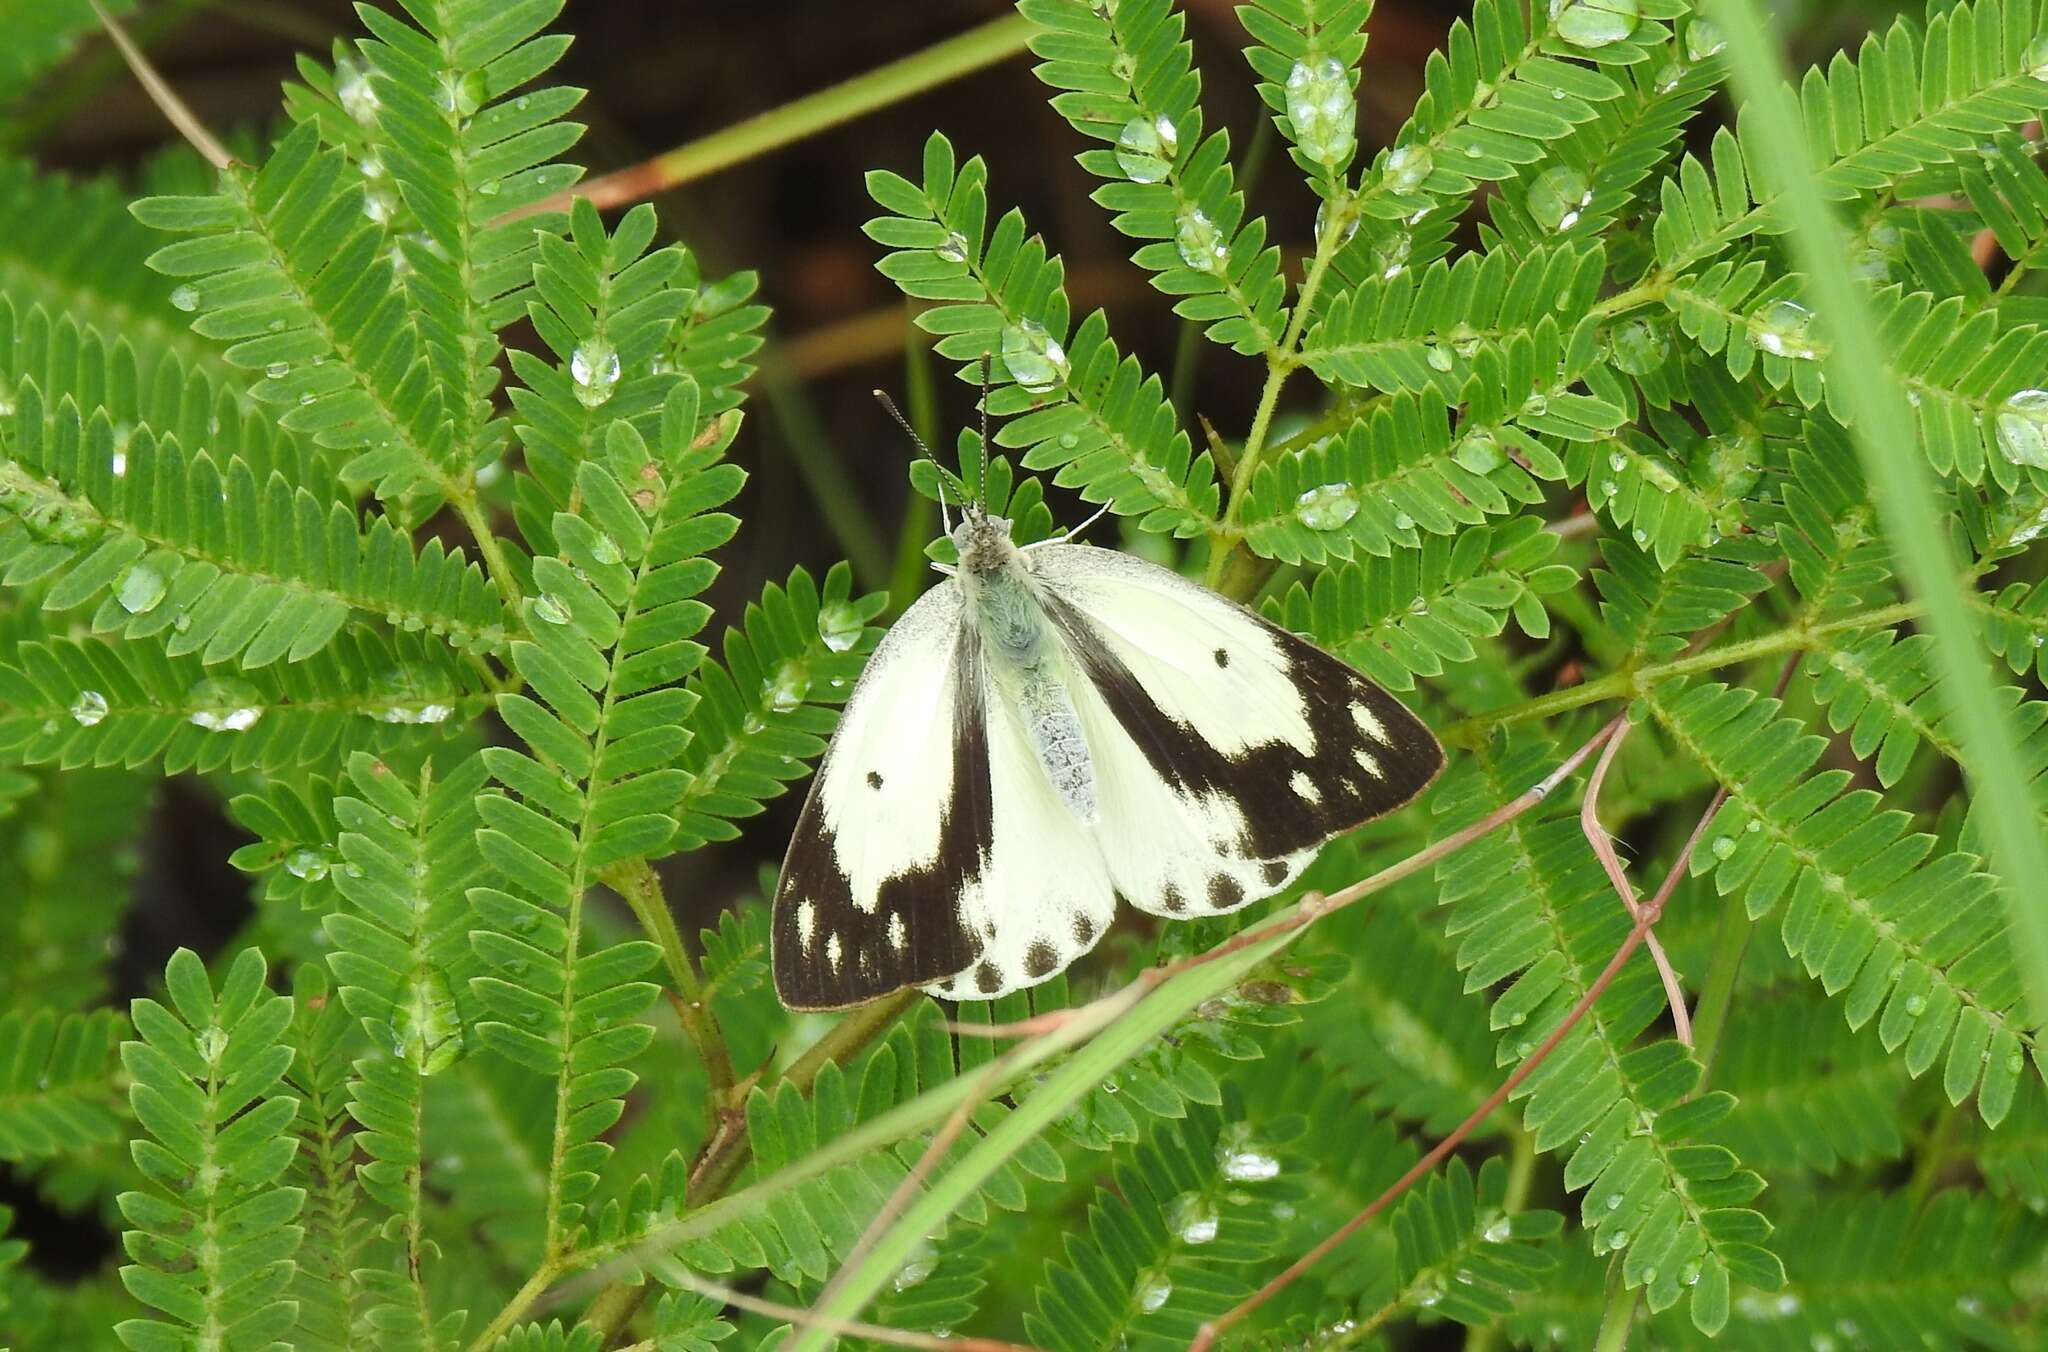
x=1280 y=364
x=993 y=42
x=1630 y=682
x=501 y=1323
x=472 y=513
x=1619 y=1316
x=637 y=883
x=1717 y=987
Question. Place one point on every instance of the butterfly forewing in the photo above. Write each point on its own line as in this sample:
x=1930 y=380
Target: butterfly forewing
x=898 y=823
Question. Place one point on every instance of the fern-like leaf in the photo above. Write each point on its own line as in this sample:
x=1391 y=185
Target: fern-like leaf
x=56 y=1082
x=1901 y=932
x=272 y=576
x=1085 y=409
x=1530 y=903
x=213 y=1237
x=1127 y=78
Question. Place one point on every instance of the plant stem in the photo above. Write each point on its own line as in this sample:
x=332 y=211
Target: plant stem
x=1619 y=1316
x=1628 y=682
x=472 y=513
x=1717 y=987
x=640 y=887
x=1280 y=363
x=993 y=42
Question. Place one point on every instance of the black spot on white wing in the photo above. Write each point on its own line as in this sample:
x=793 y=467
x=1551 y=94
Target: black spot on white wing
x=831 y=949
x=1273 y=872
x=1084 y=931
x=874 y=780
x=1225 y=892
x=1040 y=959
x=1369 y=754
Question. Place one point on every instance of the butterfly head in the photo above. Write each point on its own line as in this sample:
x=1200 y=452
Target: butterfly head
x=983 y=540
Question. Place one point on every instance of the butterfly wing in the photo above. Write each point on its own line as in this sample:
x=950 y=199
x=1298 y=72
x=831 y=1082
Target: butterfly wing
x=1226 y=748
x=933 y=850
x=897 y=819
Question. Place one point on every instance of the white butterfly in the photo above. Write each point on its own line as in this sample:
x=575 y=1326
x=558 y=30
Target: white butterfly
x=1050 y=728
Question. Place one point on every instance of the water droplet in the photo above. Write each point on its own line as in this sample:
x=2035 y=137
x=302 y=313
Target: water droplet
x=1403 y=521
x=1612 y=1202
x=1242 y=1158
x=922 y=1262
x=954 y=250
x=1327 y=506
x=1428 y=1290
x=487 y=188
x=2021 y=427
x=1321 y=110
x=311 y=865
x=352 y=89
x=142 y=588
x=1703 y=39
x=1668 y=77
x=277 y=370
x=89 y=708
x=1192 y=1217
x=1784 y=329
x=225 y=704
x=1142 y=153
x=1640 y=536
x=1593 y=23
x=185 y=298
x=461 y=94
x=839 y=626
x=1916 y=1005
x=605 y=550
x=1199 y=243
x=1479 y=452
x=1350 y=224
x=2035 y=59
x=1153 y=1289
x=117 y=464
x=379 y=205
x=1536 y=405
x=1033 y=357
x=785 y=690
x=1408 y=166
x=1723 y=846
x=211 y=1042
x=1639 y=346
x=546 y=608
x=1438 y=357
x=1618 y=1240
x=594 y=371
x=1557 y=196
x=1390 y=256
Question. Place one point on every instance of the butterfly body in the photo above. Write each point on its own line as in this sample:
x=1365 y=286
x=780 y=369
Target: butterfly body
x=1051 y=728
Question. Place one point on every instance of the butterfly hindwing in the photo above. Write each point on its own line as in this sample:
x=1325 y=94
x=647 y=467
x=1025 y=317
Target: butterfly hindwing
x=1227 y=748
x=897 y=825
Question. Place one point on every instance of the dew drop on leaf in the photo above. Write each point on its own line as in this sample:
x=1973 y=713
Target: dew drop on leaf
x=142 y=589
x=89 y=708
x=593 y=372
x=549 y=610
x=1557 y=197
x=225 y=704
x=922 y=1262
x=1703 y=39
x=1784 y=329
x=2021 y=428
x=839 y=626
x=1033 y=357
x=1153 y=1290
x=1593 y=23
x=185 y=298
x=1326 y=507
x=785 y=690
x=1192 y=1217
x=1199 y=242
x=1408 y=166
x=1321 y=110
x=1639 y=347
x=309 y=864
x=954 y=250
x=1141 y=152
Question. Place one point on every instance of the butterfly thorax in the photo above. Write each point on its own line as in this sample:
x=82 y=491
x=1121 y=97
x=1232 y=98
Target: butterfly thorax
x=1024 y=657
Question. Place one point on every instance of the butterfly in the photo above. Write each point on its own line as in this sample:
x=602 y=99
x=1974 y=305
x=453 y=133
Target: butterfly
x=1050 y=728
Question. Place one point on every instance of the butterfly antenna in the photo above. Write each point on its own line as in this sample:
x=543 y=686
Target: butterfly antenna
x=983 y=488
x=945 y=518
